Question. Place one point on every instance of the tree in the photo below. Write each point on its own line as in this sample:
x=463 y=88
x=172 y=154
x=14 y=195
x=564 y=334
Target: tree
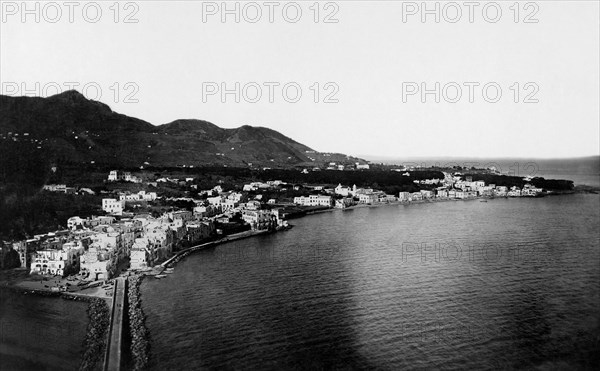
x=11 y=260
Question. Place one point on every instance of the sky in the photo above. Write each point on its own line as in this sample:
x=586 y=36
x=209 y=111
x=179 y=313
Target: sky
x=500 y=80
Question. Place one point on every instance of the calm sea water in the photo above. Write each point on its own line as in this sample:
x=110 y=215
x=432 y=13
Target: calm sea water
x=509 y=283
x=40 y=333
x=582 y=171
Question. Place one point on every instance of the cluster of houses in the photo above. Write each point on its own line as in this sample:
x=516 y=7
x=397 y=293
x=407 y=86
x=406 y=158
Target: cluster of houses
x=96 y=247
x=342 y=167
x=451 y=187
x=116 y=206
x=226 y=206
x=62 y=188
x=123 y=176
x=350 y=196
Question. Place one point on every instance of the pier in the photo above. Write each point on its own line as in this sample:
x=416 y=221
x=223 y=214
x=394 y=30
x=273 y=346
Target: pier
x=114 y=348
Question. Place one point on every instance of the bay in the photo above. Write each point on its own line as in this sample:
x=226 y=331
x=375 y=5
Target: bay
x=509 y=283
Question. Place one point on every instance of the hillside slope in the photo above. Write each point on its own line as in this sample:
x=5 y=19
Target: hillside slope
x=69 y=129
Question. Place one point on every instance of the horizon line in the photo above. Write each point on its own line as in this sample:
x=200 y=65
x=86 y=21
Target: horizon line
x=360 y=156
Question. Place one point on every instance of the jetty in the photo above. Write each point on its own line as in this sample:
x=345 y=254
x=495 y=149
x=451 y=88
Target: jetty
x=114 y=348
x=113 y=358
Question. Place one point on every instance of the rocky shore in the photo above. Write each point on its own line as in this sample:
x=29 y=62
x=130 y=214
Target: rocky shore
x=97 y=332
x=139 y=334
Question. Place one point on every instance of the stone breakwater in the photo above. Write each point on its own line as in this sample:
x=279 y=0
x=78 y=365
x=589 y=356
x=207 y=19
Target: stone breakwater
x=97 y=332
x=139 y=334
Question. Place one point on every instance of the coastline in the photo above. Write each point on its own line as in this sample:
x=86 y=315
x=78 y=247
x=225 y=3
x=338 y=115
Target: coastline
x=26 y=285
x=172 y=261
x=94 y=334
x=138 y=332
x=169 y=263
x=191 y=267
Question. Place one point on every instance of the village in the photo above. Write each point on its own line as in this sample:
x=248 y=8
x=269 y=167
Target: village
x=99 y=248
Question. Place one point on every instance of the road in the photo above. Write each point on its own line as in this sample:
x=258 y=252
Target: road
x=112 y=360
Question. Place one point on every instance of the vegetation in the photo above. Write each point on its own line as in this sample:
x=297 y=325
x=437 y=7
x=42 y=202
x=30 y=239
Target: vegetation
x=510 y=181
x=10 y=260
x=24 y=216
x=25 y=210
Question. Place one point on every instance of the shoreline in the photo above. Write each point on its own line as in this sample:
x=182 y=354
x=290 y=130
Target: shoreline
x=138 y=332
x=73 y=296
x=19 y=284
x=143 y=346
x=172 y=261
x=96 y=330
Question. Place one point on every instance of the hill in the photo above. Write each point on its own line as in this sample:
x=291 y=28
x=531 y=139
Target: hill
x=69 y=129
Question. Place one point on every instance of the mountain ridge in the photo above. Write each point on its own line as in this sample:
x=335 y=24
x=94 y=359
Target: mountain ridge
x=69 y=128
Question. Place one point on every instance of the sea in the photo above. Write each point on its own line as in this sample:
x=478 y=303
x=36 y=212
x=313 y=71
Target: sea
x=581 y=170
x=502 y=284
x=40 y=333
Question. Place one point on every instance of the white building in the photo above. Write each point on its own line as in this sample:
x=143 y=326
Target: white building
x=75 y=221
x=113 y=206
x=113 y=176
x=368 y=198
x=116 y=175
x=514 y=193
x=258 y=219
x=253 y=205
x=344 y=191
x=229 y=204
x=56 y=261
x=140 y=196
x=205 y=211
x=416 y=196
x=215 y=201
x=404 y=196
x=314 y=200
x=55 y=188
x=139 y=257
x=344 y=203
x=426 y=193
x=96 y=263
x=234 y=196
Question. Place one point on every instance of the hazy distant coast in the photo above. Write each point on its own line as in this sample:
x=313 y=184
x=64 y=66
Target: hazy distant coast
x=581 y=170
